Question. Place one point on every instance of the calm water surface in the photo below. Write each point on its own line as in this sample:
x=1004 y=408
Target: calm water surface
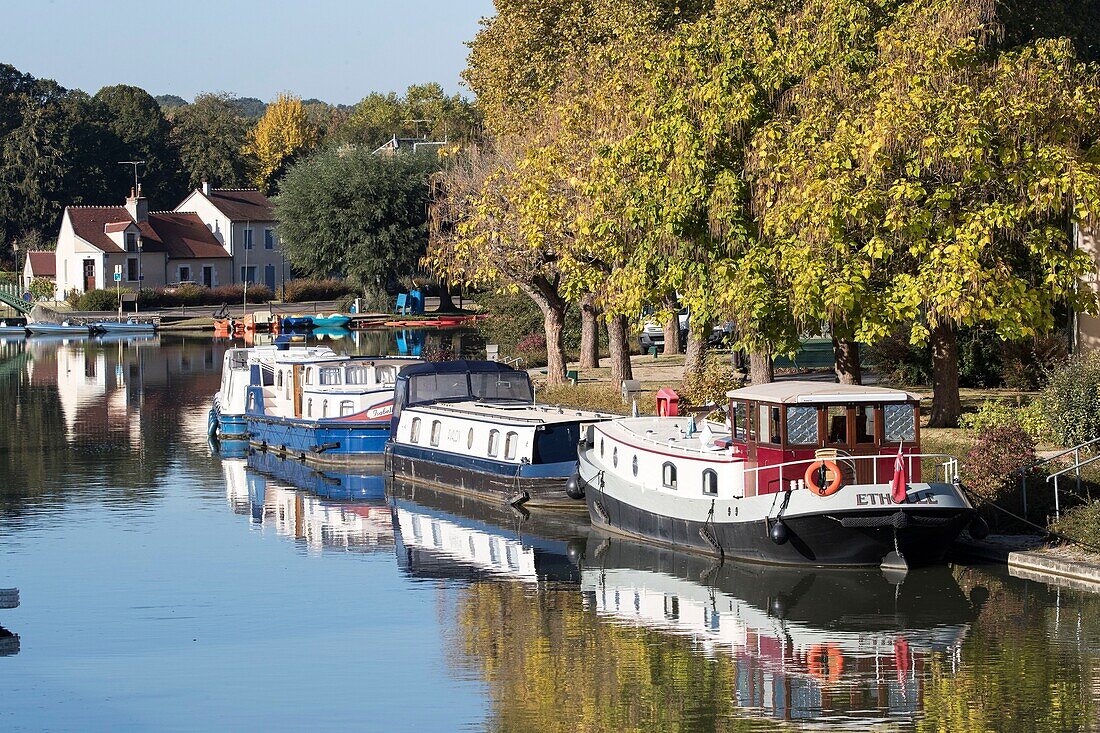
x=165 y=587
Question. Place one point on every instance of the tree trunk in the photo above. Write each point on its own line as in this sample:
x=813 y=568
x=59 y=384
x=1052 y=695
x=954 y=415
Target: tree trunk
x=695 y=359
x=620 y=352
x=672 y=327
x=554 y=323
x=946 y=406
x=846 y=361
x=590 y=333
x=446 y=304
x=760 y=367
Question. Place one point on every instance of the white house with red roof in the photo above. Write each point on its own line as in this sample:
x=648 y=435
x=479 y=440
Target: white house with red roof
x=39 y=264
x=243 y=221
x=214 y=237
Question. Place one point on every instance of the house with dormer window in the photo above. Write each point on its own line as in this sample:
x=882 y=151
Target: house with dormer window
x=149 y=249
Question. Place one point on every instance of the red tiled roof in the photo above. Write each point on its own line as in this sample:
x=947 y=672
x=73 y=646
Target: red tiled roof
x=181 y=235
x=242 y=204
x=43 y=264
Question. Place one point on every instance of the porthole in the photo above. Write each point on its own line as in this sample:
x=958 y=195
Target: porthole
x=634 y=465
x=615 y=456
x=470 y=439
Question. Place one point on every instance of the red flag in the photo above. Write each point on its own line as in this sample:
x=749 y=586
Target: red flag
x=898 y=487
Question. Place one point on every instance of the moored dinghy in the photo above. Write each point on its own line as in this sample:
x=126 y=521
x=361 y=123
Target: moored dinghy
x=473 y=427
x=813 y=473
x=64 y=328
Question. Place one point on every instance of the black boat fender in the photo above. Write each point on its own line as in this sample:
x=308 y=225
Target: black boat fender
x=574 y=487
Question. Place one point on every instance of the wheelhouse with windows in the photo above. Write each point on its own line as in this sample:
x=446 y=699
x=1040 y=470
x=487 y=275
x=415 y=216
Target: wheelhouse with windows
x=474 y=427
x=777 y=424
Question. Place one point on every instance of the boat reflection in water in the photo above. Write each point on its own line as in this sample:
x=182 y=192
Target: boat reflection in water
x=440 y=535
x=323 y=509
x=9 y=642
x=806 y=644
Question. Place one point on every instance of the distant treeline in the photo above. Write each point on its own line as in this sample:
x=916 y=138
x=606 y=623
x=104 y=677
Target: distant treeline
x=62 y=147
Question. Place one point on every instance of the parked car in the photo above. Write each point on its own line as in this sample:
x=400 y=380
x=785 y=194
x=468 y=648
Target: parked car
x=653 y=332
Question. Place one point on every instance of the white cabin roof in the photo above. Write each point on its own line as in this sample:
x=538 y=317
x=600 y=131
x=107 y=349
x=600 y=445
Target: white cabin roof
x=659 y=434
x=789 y=392
x=513 y=413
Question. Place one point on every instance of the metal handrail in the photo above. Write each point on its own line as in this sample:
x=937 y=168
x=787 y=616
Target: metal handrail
x=1076 y=467
x=950 y=466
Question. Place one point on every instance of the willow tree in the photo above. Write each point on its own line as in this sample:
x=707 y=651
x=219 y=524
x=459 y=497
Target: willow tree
x=940 y=189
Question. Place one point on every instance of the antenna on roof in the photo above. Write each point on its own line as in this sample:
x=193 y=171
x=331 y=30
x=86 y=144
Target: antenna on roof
x=135 y=163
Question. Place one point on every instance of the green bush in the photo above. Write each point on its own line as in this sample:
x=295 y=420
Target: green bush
x=42 y=288
x=1072 y=400
x=1081 y=522
x=709 y=385
x=98 y=300
x=997 y=414
x=303 y=290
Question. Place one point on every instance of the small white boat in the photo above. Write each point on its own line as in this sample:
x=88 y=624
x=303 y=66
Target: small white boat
x=58 y=329
x=14 y=329
x=128 y=326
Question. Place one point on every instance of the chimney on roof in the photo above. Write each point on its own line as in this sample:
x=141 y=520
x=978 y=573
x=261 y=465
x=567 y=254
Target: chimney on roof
x=138 y=205
x=206 y=188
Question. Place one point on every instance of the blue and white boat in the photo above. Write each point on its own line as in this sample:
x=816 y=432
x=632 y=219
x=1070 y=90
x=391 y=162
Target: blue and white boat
x=309 y=403
x=472 y=427
x=331 y=321
x=8 y=328
x=227 y=414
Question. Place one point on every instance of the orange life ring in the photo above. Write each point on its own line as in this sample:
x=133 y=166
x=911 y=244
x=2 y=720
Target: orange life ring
x=811 y=478
x=826 y=663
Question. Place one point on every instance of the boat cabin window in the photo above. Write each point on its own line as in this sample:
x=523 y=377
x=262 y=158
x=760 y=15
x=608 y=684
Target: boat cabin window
x=385 y=374
x=710 y=482
x=324 y=409
x=470 y=439
x=347 y=407
x=634 y=465
x=437 y=387
x=494 y=386
x=668 y=475
x=865 y=424
x=309 y=407
x=802 y=425
x=601 y=447
x=836 y=419
x=740 y=420
x=510 y=446
x=357 y=375
x=309 y=375
x=414 y=433
x=279 y=379
x=329 y=375
x=494 y=442
x=769 y=425
x=899 y=423
x=615 y=457
x=436 y=430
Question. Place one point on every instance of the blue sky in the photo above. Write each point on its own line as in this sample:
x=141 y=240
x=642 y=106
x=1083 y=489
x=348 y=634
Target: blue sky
x=335 y=50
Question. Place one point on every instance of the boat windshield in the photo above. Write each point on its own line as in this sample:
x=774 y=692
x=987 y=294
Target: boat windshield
x=438 y=387
x=493 y=387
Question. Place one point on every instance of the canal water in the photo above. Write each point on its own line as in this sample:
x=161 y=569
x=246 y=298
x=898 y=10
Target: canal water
x=164 y=586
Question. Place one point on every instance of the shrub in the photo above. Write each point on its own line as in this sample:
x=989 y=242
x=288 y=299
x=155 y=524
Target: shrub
x=992 y=414
x=1027 y=364
x=42 y=288
x=97 y=300
x=1072 y=400
x=990 y=469
x=709 y=385
x=600 y=397
x=302 y=290
x=1082 y=522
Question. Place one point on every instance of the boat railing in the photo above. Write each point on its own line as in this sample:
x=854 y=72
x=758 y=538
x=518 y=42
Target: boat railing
x=948 y=464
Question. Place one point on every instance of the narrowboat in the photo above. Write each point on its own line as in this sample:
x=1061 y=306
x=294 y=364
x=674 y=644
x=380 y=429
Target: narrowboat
x=227 y=414
x=806 y=644
x=808 y=473
x=320 y=407
x=473 y=427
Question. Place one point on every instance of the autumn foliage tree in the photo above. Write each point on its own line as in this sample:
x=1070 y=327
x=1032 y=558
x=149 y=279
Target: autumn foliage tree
x=279 y=137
